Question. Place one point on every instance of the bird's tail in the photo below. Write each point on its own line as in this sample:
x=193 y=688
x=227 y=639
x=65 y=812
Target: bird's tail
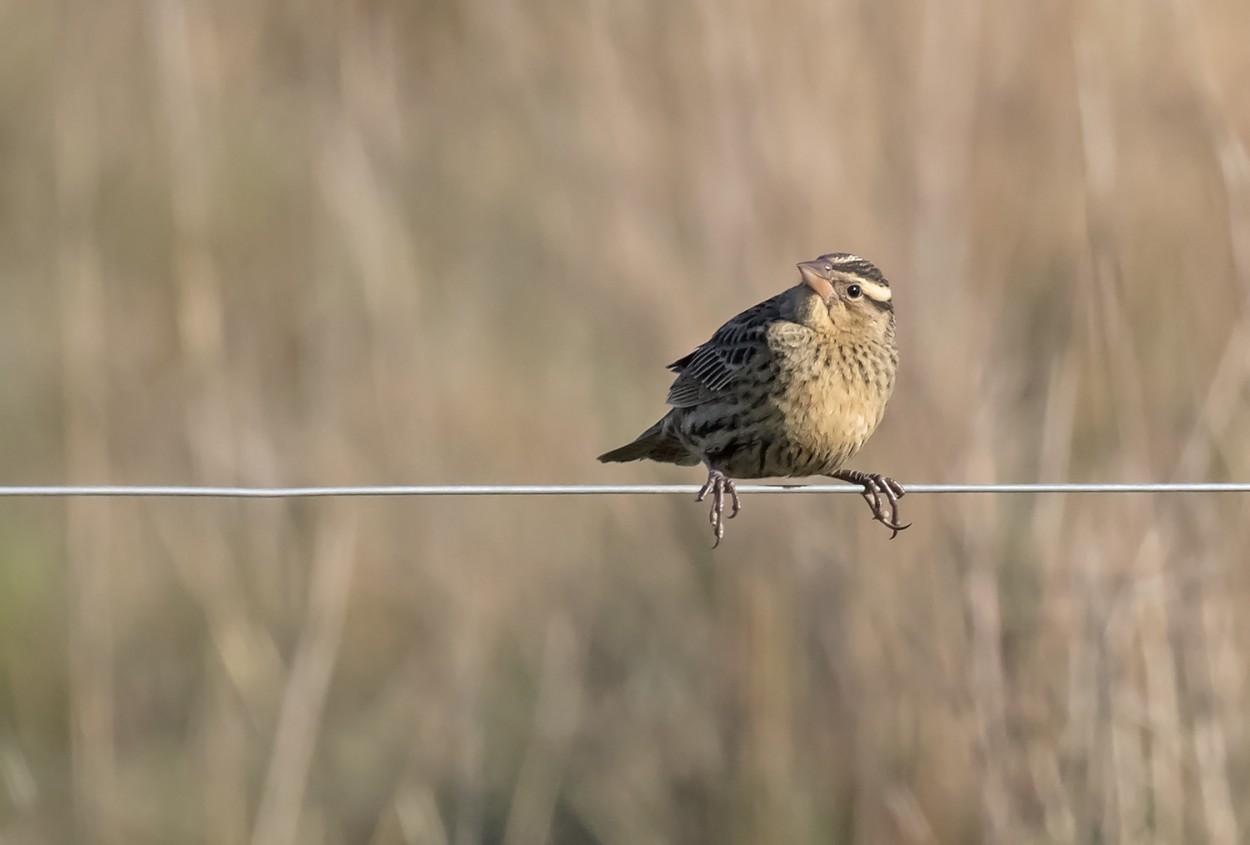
x=653 y=444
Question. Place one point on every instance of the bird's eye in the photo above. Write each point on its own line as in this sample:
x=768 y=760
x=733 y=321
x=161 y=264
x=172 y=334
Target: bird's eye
x=828 y=268
x=853 y=292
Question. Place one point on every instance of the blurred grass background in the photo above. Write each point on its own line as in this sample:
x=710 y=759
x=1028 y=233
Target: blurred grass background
x=269 y=242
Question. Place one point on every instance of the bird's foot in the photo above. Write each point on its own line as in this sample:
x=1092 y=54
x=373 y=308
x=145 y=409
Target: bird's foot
x=718 y=484
x=876 y=487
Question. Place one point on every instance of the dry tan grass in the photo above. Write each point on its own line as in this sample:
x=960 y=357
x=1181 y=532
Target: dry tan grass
x=381 y=242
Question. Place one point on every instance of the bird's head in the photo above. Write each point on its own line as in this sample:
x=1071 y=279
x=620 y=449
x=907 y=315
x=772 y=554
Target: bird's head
x=851 y=288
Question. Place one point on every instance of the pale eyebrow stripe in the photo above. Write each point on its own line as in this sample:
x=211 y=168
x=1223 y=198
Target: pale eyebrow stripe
x=876 y=291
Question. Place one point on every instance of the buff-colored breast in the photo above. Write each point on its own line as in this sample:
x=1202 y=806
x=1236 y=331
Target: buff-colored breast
x=831 y=392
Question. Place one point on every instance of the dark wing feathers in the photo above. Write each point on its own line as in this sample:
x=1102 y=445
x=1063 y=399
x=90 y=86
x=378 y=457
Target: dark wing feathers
x=711 y=369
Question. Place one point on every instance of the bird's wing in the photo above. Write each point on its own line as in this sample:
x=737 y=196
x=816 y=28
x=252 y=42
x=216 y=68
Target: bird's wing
x=710 y=370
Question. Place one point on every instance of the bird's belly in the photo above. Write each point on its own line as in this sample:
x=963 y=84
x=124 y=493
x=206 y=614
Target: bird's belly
x=771 y=441
x=827 y=427
x=807 y=424
x=831 y=441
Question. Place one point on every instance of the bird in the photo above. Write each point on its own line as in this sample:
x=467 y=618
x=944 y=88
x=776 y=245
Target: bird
x=791 y=387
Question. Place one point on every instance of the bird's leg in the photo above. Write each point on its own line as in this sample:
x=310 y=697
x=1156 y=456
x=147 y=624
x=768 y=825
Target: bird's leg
x=875 y=487
x=718 y=484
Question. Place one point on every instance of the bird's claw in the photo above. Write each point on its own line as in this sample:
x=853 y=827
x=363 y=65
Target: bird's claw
x=877 y=486
x=718 y=484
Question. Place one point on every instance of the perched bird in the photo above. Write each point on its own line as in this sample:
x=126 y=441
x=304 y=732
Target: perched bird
x=791 y=387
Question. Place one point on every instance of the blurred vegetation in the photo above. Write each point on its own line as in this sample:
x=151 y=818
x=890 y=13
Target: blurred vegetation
x=384 y=242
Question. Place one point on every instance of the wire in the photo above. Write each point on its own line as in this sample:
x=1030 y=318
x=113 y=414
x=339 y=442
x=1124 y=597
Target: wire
x=174 y=491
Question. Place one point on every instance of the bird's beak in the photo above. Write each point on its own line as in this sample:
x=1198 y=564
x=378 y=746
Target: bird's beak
x=811 y=271
x=814 y=277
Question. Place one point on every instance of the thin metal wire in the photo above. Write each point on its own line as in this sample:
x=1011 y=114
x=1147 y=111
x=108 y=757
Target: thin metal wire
x=175 y=491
